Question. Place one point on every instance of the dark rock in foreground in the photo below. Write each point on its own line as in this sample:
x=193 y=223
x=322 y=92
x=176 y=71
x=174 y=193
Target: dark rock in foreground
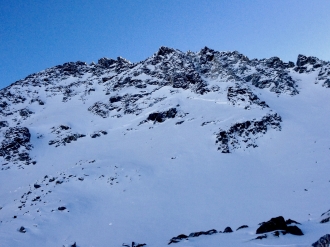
x=273 y=224
x=279 y=223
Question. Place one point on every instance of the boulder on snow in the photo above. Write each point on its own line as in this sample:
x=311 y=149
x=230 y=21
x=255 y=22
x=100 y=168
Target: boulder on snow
x=241 y=227
x=227 y=230
x=162 y=116
x=273 y=224
x=279 y=223
x=22 y=229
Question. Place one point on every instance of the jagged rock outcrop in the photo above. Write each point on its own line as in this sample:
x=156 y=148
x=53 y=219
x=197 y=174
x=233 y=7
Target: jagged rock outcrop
x=15 y=146
x=245 y=97
x=323 y=241
x=244 y=134
x=64 y=136
x=325 y=217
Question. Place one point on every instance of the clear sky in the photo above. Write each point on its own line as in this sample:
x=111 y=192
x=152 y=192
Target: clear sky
x=37 y=34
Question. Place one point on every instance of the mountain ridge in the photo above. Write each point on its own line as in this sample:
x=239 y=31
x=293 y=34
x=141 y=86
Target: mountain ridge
x=145 y=139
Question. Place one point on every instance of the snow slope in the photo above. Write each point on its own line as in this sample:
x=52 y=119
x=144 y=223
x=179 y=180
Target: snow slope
x=110 y=153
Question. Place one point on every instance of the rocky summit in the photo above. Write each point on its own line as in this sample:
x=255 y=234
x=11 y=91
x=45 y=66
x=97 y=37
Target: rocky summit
x=116 y=153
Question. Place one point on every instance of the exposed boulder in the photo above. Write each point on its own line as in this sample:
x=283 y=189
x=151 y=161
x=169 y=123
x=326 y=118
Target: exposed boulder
x=106 y=62
x=98 y=133
x=227 y=230
x=162 y=116
x=22 y=229
x=273 y=224
x=278 y=224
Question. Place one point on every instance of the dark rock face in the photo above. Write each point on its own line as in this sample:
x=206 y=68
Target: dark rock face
x=273 y=224
x=279 y=223
x=303 y=60
x=25 y=113
x=98 y=133
x=64 y=136
x=308 y=64
x=162 y=116
x=326 y=83
x=244 y=96
x=65 y=140
x=323 y=241
x=3 y=124
x=16 y=145
x=163 y=51
x=114 y=99
x=15 y=138
x=246 y=133
x=100 y=109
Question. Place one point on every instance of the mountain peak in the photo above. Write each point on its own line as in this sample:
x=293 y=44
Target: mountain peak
x=128 y=147
x=163 y=51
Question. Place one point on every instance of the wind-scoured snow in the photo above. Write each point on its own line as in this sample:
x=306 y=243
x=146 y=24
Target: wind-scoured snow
x=112 y=153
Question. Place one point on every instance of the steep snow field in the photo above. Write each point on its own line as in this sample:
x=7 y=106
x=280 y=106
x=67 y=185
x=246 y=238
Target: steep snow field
x=149 y=181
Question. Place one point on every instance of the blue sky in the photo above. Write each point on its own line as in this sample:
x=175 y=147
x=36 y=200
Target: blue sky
x=35 y=35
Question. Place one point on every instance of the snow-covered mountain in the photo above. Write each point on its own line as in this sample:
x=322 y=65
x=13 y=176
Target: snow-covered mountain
x=161 y=151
